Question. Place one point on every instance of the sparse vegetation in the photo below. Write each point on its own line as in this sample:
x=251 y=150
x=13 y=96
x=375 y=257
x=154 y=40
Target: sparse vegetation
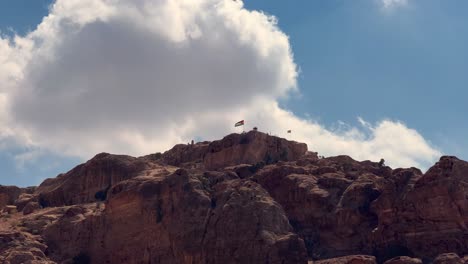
x=102 y=194
x=159 y=212
x=269 y=159
x=256 y=167
x=7 y=216
x=155 y=156
x=244 y=139
x=43 y=202
x=381 y=163
x=81 y=258
x=284 y=154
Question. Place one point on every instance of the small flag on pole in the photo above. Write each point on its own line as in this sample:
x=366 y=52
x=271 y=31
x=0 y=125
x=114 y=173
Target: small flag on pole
x=289 y=131
x=240 y=123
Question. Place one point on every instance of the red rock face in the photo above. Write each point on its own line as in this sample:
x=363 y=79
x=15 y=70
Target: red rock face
x=325 y=206
x=178 y=219
x=270 y=201
x=251 y=148
x=90 y=181
x=21 y=247
x=182 y=153
x=428 y=215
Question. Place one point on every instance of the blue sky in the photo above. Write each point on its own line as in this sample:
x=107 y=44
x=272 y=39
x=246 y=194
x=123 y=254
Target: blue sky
x=356 y=59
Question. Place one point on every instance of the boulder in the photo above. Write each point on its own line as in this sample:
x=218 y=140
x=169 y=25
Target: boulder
x=31 y=207
x=25 y=199
x=244 y=170
x=354 y=259
x=8 y=195
x=403 y=260
x=20 y=247
x=10 y=209
x=448 y=258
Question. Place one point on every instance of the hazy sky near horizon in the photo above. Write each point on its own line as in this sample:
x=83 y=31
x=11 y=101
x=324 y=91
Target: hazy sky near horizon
x=367 y=78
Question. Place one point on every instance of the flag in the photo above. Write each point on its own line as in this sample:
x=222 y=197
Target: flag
x=289 y=131
x=240 y=123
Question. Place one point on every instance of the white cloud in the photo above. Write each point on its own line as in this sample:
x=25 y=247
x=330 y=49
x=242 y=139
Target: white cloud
x=394 y=3
x=399 y=145
x=140 y=76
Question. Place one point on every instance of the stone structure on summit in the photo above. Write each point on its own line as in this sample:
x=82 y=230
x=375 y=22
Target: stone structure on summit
x=247 y=198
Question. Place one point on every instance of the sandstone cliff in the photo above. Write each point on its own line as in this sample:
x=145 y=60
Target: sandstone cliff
x=248 y=198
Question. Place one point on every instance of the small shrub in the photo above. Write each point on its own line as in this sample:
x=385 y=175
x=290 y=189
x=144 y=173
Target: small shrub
x=43 y=202
x=81 y=258
x=269 y=159
x=244 y=140
x=213 y=203
x=284 y=154
x=155 y=156
x=102 y=194
x=392 y=251
x=381 y=163
x=253 y=169
x=159 y=212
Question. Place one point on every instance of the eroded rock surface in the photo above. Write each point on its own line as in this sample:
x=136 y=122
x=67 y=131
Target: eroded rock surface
x=248 y=198
x=21 y=247
x=90 y=181
x=424 y=215
x=251 y=148
x=180 y=218
x=403 y=260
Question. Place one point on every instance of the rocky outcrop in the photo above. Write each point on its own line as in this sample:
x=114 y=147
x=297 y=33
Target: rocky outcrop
x=246 y=219
x=448 y=258
x=342 y=207
x=355 y=259
x=403 y=260
x=251 y=148
x=31 y=207
x=248 y=198
x=185 y=153
x=22 y=247
x=329 y=211
x=8 y=195
x=181 y=218
x=25 y=199
x=248 y=148
x=90 y=181
x=424 y=215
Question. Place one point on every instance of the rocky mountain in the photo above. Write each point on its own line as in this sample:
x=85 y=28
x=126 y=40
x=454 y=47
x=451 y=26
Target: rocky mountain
x=248 y=198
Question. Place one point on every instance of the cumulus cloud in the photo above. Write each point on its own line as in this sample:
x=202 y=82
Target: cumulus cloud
x=139 y=76
x=392 y=140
